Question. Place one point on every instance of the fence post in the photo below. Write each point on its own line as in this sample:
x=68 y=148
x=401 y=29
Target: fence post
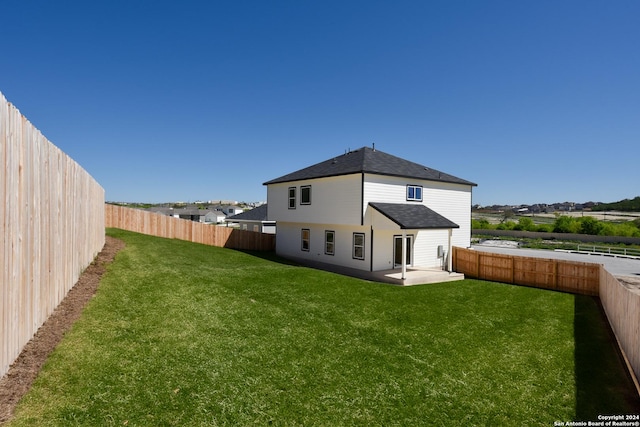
x=513 y=269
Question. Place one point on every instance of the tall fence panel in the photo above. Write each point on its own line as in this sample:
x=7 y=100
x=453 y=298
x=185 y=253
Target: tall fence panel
x=622 y=306
x=567 y=276
x=52 y=225
x=621 y=303
x=159 y=225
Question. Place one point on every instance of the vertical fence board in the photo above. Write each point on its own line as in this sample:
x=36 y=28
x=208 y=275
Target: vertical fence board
x=4 y=279
x=567 y=276
x=622 y=306
x=52 y=223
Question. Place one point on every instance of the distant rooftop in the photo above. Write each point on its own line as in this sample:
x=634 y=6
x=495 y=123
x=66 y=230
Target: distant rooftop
x=256 y=214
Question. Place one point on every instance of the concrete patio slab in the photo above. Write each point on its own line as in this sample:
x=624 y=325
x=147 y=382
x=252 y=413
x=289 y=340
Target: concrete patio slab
x=413 y=275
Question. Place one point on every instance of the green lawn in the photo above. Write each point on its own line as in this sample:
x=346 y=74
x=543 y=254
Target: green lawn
x=185 y=334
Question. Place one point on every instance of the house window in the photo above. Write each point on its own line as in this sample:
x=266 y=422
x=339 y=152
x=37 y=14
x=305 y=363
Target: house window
x=305 y=195
x=358 y=245
x=305 y=239
x=329 y=242
x=292 y=197
x=414 y=193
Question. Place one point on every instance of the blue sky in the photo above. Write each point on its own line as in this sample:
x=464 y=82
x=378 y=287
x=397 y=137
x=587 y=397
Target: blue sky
x=535 y=101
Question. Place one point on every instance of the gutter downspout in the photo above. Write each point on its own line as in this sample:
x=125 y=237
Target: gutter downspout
x=404 y=254
x=449 y=257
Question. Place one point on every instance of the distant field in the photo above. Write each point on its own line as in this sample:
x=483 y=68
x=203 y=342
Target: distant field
x=602 y=216
x=549 y=218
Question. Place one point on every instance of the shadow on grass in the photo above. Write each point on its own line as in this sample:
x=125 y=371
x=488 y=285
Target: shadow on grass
x=317 y=265
x=269 y=256
x=603 y=383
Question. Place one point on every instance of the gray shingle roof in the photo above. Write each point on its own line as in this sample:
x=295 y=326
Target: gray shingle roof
x=256 y=214
x=413 y=216
x=372 y=161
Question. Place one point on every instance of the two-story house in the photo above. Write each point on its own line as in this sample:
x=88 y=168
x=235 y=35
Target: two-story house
x=370 y=211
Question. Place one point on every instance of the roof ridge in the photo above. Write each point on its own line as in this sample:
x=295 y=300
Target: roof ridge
x=369 y=160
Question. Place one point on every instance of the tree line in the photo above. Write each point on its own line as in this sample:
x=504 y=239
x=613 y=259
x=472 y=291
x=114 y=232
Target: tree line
x=626 y=205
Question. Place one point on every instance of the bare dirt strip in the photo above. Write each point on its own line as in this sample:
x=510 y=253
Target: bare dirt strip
x=25 y=369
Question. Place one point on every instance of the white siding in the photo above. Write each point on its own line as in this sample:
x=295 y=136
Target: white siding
x=289 y=244
x=425 y=244
x=383 y=256
x=453 y=201
x=270 y=229
x=335 y=200
x=426 y=247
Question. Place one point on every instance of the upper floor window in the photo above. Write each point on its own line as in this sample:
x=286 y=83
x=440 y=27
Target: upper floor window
x=414 y=193
x=292 y=197
x=305 y=195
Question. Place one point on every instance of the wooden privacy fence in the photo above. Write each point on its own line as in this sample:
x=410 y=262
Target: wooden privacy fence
x=559 y=275
x=159 y=225
x=52 y=227
x=621 y=304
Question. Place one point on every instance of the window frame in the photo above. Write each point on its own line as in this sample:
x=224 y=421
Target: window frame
x=302 y=192
x=292 y=198
x=328 y=233
x=413 y=188
x=360 y=246
x=306 y=240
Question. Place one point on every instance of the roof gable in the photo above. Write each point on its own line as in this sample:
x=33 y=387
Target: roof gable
x=369 y=160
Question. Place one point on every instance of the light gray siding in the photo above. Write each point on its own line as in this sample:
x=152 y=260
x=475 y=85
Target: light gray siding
x=335 y=200
x=453 y=201
x=426 y=247
x=288 y=244
x=425 y=243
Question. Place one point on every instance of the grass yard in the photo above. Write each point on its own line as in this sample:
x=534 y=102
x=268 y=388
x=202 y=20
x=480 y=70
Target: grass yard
x=184 y=334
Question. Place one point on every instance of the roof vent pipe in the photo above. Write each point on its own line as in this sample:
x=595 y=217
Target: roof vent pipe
x=374 y=146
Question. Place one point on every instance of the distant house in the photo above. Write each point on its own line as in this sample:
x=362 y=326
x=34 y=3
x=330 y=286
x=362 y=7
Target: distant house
x=161 y=210
x=535 y=208
x=228 y=210
x=371 y=211
x=191 y=214
x=254 y=220
x=214 y=217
